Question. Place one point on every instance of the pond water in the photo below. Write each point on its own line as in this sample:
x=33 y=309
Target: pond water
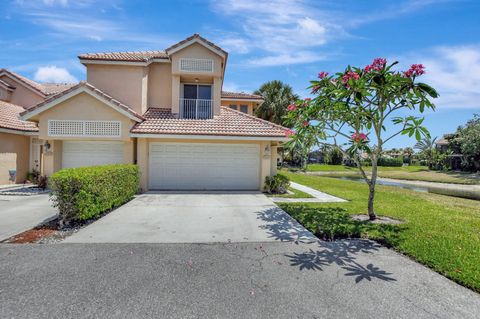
x=449 y=191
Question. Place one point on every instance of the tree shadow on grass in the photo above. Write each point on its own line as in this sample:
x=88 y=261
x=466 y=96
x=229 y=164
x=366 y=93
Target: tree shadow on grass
x=332 y=223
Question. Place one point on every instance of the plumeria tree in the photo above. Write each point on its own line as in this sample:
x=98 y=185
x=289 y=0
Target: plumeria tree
x=352 y=110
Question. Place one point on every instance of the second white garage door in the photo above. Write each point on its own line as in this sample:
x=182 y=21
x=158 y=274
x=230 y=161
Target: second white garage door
x=203 y=166
x=83 y=153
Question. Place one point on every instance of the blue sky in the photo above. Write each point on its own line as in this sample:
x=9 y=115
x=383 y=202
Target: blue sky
x=288 y=40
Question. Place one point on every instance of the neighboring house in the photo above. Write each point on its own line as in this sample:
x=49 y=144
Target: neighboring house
x=243 y=102
x=20 y=148
x=162 y=110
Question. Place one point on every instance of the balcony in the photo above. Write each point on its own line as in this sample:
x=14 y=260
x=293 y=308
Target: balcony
x=197 y=109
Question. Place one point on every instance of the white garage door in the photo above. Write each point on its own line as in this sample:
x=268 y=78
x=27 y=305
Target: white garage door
x=202 y=166
x=82 y=153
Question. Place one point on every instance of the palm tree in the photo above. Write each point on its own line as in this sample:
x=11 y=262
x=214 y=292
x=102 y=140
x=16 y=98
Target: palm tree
x=277 y=96
x=426 y=144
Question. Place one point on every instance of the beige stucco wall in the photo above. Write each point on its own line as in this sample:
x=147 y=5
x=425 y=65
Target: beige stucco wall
x=160 y=85
x=123 y=82
x=82 y=107
x=197 y=51
x=265 y=160
x=14 y=154
x=21 y=95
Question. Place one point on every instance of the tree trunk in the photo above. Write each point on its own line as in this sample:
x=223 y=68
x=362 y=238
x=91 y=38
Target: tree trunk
x=371 y=188
x=371 y=198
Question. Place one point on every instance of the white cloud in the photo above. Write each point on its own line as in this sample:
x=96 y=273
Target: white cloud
x=237 y=45
x=287 y=59
x=63 y=3
x=282 y=28
x=54 y=74
x=454 y=72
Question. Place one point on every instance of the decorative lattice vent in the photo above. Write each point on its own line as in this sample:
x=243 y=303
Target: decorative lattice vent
x=84 y=128
x=196 y=65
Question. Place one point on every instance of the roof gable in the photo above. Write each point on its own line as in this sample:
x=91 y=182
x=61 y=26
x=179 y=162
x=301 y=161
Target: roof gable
x=41 y=89
x=82 y=87
x=196 y=38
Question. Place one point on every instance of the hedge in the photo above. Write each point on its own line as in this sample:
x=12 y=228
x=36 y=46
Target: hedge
x=86 y=192
x=387 y=161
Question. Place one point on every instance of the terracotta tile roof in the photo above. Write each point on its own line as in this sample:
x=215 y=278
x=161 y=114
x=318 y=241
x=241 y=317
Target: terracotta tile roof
x=45 y=89
x=196 y=36
x=54 y=88
x=240 y=95
x=228 y=123
x=141 y=56
x=10 y=118
x=92 y=89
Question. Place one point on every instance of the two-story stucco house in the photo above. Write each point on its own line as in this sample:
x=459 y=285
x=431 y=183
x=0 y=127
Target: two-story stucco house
x=165 y=111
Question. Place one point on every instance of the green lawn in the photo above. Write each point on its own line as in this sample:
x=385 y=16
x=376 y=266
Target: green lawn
x=419 y=173
x=439 y=231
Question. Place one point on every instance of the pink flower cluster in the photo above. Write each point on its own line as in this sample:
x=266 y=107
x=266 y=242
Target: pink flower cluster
x=315 y=88
x=376 y=65
x=359 y=137
x=289 y=133
x=305 y=123
x=322 y=75
x=292 y=107
x=415 y=70
x=350 y=75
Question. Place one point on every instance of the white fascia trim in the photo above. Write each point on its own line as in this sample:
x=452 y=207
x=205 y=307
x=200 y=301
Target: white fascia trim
x=211 y=137
x=10 y=131
x=196 y=40
x=242 y=99
x=85 y=61
x=9 y=89
x=22 y=84
x=72 y=94
x=107 y=62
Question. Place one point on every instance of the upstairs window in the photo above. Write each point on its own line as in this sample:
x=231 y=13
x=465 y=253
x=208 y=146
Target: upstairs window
x=196 y=65
x=233 y=107
x=244 y=108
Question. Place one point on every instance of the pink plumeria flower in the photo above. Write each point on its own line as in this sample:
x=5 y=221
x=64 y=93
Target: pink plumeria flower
x=292 y=107
x=322 y=75
x=359 y=137
x=289 y=133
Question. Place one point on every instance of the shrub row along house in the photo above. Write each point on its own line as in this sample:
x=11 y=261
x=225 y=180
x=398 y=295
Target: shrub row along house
x=163 y=110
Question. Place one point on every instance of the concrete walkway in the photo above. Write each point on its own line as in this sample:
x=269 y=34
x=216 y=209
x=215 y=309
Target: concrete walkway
x=318 y=197
x=21 y=213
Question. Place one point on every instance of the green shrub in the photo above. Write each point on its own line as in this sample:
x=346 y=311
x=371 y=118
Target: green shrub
x=387 y=161
x=86 y=192
x=333 y=156
x=277 y=184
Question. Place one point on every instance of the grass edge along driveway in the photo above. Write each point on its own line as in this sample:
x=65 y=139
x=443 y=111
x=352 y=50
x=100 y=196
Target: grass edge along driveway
x=440 y=232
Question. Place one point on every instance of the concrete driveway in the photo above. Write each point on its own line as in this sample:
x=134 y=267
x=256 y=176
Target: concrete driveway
x=194 y=218
x=21 y=213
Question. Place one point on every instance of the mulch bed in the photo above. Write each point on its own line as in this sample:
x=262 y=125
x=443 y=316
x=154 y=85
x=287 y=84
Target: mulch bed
x=378 y=220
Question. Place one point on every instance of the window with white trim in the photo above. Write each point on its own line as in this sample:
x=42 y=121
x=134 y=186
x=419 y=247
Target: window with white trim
x=196 y=65
x=76 y=128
